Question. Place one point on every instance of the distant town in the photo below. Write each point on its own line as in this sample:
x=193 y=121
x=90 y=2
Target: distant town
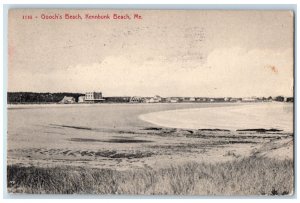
x=97 y=97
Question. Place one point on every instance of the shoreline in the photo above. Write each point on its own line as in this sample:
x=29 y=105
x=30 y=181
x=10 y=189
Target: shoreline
x=22 y=105
x=16 y=106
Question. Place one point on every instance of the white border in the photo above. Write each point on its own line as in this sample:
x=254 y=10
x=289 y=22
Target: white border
x=116 y=2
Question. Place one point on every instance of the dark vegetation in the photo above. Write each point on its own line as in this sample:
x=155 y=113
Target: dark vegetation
x=248 y=176
x=116 y=99
x=110 y=140
x=260 y=130
x=74 y=127
x=32 y=97
x=213 y=129
x=113 y=154
x=153 y=128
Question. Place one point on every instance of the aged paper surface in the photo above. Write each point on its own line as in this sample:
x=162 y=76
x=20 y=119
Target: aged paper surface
x=184 y=102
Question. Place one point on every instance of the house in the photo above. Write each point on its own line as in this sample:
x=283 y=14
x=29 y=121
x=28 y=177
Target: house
x=171 y=99
x=249 y=99
x=192 y=99
x=81 y=99
x=136 y=99
x=152 y=100
x=227 y=99
x=201 y=99
x=174 y=100
x=235 y=99
x=67 y=100
x=155 y=99
x=93 y=97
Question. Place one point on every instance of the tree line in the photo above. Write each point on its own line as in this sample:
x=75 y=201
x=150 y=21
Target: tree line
x=33 y=97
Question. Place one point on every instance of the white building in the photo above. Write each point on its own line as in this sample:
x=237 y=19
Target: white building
x=227 y=99
x=68 y=100
x=81 y=99
x=155 y=99
x=174 y=100
x=93 y=97
x=249 y=99
x=192 y=99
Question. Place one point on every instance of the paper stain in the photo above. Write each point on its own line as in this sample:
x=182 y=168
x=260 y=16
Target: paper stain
x=272 y=68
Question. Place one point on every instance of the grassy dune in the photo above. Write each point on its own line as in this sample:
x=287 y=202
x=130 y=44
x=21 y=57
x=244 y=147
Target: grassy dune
x=248 y=176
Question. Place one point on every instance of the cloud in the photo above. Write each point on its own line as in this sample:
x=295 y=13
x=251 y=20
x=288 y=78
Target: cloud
x=227 y=72
x=246 y=71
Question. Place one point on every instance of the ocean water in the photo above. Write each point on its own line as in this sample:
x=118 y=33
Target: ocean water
x=249 y=116
x=41 y=126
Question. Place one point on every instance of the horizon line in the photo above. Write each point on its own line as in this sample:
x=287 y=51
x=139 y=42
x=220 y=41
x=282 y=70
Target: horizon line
x=147 y=95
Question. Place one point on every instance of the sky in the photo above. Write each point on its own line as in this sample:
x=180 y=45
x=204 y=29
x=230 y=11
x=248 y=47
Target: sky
x=166 y=53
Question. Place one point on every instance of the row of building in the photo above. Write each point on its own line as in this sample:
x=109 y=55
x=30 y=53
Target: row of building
x=158 y=99
x=89 y=97
x=95 y=97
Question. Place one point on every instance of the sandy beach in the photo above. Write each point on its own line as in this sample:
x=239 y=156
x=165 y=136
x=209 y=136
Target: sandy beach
x=107 y=136
x=250 y=116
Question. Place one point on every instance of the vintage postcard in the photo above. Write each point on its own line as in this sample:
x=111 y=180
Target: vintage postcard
x=150 y=102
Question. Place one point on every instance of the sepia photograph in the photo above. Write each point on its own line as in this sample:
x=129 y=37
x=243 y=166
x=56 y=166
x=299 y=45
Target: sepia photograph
x=150 y=102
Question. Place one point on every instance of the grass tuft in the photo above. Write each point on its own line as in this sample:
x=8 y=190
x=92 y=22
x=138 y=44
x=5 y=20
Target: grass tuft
x=248 y=176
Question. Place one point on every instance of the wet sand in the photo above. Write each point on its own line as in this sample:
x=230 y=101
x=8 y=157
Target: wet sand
x=112 y=136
